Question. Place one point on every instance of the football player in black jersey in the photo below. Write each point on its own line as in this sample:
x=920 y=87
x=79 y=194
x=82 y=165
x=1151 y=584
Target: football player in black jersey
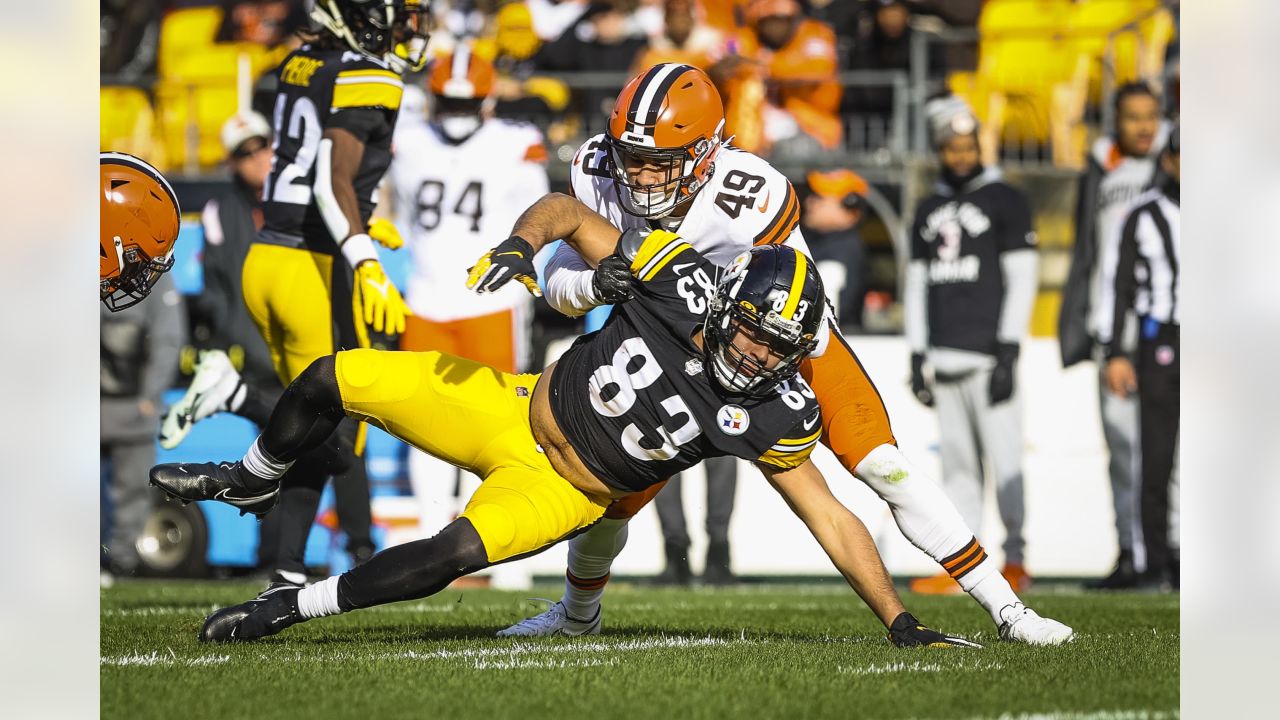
x=312 y=281
x=689 y=368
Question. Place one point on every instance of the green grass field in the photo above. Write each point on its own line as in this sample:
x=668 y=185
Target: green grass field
x=805 y=651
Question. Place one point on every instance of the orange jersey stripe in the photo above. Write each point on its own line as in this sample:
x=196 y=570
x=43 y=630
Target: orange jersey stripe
x=784 y=222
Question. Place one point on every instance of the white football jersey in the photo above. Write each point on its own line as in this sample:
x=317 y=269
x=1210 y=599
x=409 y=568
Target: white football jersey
x=455 y=202
x=746 y=202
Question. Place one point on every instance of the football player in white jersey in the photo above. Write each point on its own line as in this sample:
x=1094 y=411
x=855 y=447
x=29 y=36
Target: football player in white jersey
x=663 y=163
x=459 y=180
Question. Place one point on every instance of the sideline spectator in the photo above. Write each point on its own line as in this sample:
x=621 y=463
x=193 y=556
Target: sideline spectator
x=139 y=358
x=970 y=287
x=795 y=57
x=832 y=213
x=603 y=40
x=884 y=45
x=683 y=39
x=1120 y=167
x=1142 y=276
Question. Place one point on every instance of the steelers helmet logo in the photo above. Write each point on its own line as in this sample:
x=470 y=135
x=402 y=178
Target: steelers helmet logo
x=733 y=420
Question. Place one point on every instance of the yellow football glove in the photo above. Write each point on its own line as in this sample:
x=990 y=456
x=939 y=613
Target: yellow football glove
x=384 y=233
x=384 y=309
x=513 y=258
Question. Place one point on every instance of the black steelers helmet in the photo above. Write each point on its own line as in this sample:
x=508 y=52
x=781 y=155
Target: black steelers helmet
x=394 y=31
x=773 y=294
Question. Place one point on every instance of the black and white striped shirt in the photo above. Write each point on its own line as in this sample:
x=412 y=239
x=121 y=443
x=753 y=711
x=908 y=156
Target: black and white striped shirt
x=1142 y=275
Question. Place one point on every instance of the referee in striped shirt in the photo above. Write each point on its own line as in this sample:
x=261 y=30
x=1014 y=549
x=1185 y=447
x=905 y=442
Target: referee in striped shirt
x=1142 y=275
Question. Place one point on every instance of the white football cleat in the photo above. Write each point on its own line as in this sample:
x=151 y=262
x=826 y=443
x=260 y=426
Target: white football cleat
x=1019 y=623
x=555 y=621
x=214 y=384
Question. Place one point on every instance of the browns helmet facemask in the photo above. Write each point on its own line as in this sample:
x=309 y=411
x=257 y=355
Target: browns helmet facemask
x=139 y=226
x=669 y=117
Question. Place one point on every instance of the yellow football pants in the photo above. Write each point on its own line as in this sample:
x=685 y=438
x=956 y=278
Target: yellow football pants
x=477 y=418
x=289 y=295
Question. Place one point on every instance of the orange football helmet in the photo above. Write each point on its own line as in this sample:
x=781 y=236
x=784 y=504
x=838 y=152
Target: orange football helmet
x=669 y=117
x=139 y=227
x=461 y=84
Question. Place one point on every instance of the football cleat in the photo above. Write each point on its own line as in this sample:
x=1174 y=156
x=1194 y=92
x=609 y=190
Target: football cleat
x=269 y=613
x=214 y=384
x=1016 y=575
x=941 y=584
x=555 y=621
x=224 y=482
x=907 y=632
x=1019 y=623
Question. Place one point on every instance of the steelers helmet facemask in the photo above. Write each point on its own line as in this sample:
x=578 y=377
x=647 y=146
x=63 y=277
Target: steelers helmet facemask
x=391 y=31
x=770 y=296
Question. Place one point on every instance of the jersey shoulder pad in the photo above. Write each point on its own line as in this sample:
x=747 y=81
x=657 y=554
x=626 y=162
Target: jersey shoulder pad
x=589 y=173
x=650 y=250
x=365 y=82
x=795 y=446
x=525 y=139
x=757 y=202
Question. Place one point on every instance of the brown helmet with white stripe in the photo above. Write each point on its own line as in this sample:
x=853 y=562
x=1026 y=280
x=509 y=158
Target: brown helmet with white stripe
x=461 y=84
x=663 y=138
x=138 y=226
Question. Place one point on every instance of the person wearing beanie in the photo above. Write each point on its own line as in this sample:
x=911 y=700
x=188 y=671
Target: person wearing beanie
x=970 y=287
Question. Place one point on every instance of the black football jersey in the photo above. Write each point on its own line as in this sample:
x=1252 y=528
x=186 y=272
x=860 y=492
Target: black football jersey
x=320 y=89
x=635 y=400
x=961 y=237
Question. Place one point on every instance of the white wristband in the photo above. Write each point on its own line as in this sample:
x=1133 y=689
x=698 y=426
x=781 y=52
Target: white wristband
x=358 y=248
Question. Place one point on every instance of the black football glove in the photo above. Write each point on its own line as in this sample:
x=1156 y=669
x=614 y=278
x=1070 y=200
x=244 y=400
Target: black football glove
x=919 y=386
x=907 y=632
x=513 y=258
x=1000 y=388
x=612 y=280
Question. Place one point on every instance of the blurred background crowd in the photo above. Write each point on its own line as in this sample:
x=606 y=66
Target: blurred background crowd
x=842 y=96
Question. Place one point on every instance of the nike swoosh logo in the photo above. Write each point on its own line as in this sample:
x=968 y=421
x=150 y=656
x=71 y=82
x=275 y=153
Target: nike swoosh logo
x=513 y=252
x=380 y=287
x=811 y=421
x=225 y=496
x=764 y=206
x=677 y=269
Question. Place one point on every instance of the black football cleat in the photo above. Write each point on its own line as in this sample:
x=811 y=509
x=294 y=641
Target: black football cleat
x=269 y=613
x=224 y=482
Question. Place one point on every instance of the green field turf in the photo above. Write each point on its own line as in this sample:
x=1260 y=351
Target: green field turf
x=804 y=651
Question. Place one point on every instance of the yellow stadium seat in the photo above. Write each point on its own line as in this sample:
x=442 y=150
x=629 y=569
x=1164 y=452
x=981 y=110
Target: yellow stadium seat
x=126 y=122
x=183 y=32
x=197 y=90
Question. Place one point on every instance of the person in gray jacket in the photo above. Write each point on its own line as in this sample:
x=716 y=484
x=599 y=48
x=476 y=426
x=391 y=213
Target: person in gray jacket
x=970 y=287
x=139 y=360
x=1120 y=167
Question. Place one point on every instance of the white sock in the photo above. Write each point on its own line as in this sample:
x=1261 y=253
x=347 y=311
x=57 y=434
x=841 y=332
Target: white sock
x=992 y=591
x=591 y=555
x=260 y=463
x=923 y=512
x=319 y=599
x=237 y=397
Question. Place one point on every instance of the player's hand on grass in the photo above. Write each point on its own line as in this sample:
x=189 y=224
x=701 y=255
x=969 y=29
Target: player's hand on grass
x=612 y=280
x=512 y=258
x=384 y=233
x=383 y=307
x=906 y=632
x=920 y=387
